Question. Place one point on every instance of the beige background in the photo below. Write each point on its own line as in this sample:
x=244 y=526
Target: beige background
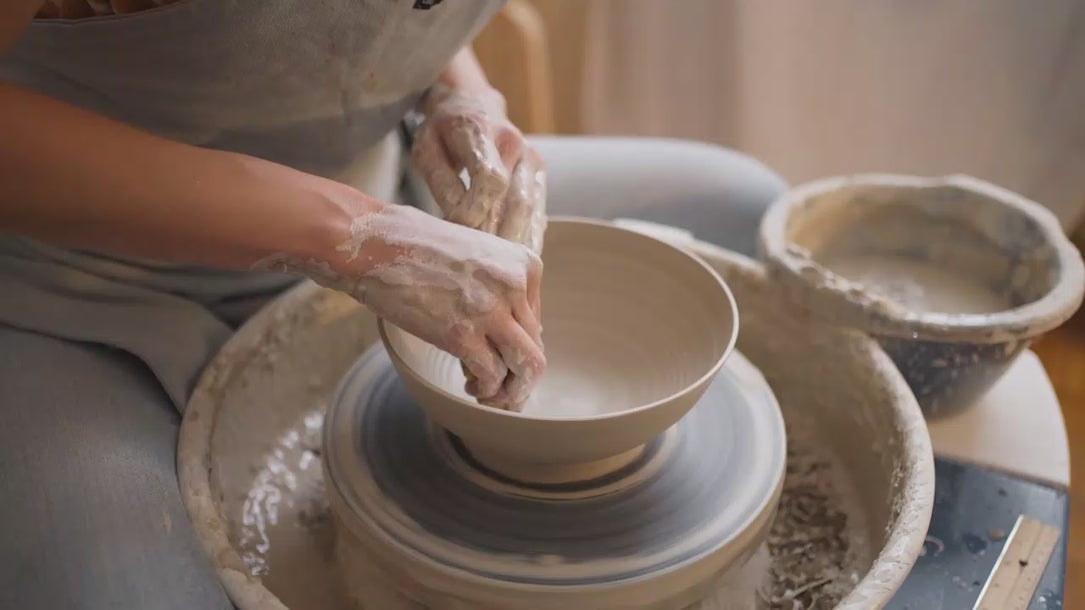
x=995 y=88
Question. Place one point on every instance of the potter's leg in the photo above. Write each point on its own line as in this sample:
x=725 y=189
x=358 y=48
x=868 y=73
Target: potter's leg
x=90 y=512
x=718 y=194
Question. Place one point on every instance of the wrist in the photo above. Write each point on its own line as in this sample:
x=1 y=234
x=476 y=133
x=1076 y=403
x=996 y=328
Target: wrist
x=334 y=237
x=492 y=100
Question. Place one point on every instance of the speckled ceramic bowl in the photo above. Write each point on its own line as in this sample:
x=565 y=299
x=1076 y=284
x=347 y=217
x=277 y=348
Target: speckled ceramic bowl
x=953 y=276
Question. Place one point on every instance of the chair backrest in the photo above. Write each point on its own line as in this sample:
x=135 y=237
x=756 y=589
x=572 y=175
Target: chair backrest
x=514 y=50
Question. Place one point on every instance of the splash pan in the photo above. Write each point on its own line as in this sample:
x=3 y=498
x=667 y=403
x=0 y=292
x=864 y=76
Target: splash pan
x=249 y=453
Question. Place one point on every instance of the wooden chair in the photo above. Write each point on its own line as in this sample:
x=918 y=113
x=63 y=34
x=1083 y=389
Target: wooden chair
x=514 y=50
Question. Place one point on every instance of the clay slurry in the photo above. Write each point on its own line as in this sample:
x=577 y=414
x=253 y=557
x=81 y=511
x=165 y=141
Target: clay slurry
x=918 y=284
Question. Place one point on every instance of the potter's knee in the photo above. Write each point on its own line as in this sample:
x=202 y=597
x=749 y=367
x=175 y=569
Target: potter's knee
x=721 y=195
x=718 y=194
x=739 y=179
x=91 y=514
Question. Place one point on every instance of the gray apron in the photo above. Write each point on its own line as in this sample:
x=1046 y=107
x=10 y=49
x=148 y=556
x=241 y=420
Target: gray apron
x=316 y=85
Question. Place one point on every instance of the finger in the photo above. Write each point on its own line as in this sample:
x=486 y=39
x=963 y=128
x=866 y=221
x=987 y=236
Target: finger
x=502 y=401
x=526 y=317
x=536 y=231
x=537 y=228
x=470 y=381
x=517 y=211
x=534 y=287
x=524 y=215
x=432 y=161
x=511 y=146
x=494 y=211
x=486 y=367
x=521 y=355
x=473 y=150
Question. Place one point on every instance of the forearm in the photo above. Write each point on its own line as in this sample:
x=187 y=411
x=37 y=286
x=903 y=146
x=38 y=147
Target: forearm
x=465 y=75
x=77 y=179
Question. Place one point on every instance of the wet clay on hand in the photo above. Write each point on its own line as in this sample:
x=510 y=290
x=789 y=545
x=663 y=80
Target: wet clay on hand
x=469 y=136
x=472 y=295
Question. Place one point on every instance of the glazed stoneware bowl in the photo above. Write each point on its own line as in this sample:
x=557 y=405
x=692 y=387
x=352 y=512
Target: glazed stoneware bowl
x=953 y=276
x=635 y=330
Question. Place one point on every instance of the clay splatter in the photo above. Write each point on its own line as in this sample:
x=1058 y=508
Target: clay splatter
x=815 y=543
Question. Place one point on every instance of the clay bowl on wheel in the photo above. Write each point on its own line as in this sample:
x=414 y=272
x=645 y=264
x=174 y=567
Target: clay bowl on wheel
x=953 y=276
x=635 y=330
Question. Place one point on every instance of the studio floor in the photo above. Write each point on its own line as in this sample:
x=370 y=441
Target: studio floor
x=1063 y=355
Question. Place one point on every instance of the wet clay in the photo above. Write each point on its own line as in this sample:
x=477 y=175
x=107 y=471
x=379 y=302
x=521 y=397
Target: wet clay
x=950 y=259
x=570 y=389
x=918 y=285
x=635 y=331
x=953 y=276
x=285 y=533
x=475 y=296
x=819 y=540
x=488 y=195
x=283 y=365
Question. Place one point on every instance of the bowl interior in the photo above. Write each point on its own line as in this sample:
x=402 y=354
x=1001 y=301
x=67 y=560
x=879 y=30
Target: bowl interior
x=936 y=247
x=628 y=321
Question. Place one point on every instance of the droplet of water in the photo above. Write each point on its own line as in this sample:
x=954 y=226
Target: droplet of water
x=1050 y=600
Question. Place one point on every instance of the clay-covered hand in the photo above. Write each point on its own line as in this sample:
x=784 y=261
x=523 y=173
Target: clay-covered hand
x=468 y=137
x=473 y=295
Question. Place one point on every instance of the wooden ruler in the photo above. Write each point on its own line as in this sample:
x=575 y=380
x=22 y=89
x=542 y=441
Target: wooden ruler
x=1017 y=572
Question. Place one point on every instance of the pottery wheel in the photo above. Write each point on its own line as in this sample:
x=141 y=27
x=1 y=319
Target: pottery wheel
x=689 y=495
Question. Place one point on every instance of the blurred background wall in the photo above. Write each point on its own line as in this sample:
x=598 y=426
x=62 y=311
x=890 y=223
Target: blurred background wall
x=993 y=88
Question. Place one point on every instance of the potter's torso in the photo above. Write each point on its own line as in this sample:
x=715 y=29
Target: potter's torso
x=318 y=86
x=307 y=84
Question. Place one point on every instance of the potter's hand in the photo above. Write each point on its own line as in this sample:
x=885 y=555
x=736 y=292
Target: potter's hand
x=473 y=295
x=470 y=133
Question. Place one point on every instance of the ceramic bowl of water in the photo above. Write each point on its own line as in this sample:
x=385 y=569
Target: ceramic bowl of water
x=635 y=330
x=953 y=276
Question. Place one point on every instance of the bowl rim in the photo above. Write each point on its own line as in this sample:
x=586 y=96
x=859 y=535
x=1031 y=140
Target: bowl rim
x=712 y=371
x=884 y=316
